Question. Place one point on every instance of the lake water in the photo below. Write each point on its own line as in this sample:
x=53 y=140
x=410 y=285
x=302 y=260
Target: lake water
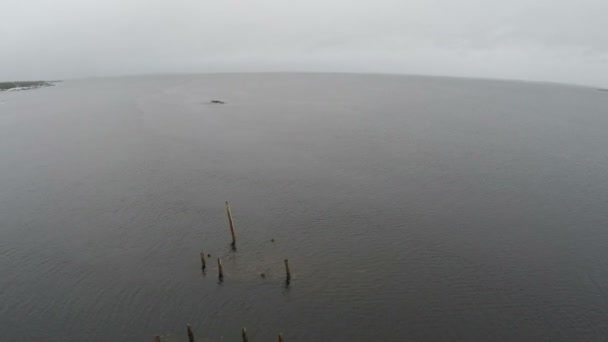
x=410 y=208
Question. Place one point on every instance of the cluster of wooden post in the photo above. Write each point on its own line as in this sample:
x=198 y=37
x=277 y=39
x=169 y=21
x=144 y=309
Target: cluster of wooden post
x=221 y=277
x=191 y=335
x=221 y=269
x=233 y=244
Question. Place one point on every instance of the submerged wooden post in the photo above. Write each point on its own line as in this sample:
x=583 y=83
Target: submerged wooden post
x=220 y=270
x=190 y=334
x=203 y=262
x=280 y=337
x=244 y=333
x=287 y=273
x=231 y=224
x=156 y=338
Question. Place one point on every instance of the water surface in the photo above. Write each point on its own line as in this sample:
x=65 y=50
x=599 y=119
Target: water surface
x=410 y=208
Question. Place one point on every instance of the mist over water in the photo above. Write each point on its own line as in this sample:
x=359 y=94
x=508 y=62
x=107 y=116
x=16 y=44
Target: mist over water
x=410 y=209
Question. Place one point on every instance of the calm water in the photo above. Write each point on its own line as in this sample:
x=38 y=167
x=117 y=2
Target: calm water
x=410 y=208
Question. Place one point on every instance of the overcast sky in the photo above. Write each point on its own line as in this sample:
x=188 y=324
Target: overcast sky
x=544 y=40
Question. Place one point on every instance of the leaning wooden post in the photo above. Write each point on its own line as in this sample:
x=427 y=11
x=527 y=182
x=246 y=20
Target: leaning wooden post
x=287 y=273
x=244 y=333
x=190 y=334
x=203 y=262
x=220 y=270
x=280 y=337
x=156 y=338
x=231 y=224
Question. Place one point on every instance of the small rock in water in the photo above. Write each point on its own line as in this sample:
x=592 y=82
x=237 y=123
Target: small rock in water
x=208 y=255
x=271 y=240
x=217 y=101
x=263 y=275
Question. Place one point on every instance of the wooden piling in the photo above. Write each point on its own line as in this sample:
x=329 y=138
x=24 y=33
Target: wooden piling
x=244 y=334
x=156 y=338
x=203 y=262
x=231 y=224
x=190 y=334
x=287 y=273
x=280 y=337
x=220 y=269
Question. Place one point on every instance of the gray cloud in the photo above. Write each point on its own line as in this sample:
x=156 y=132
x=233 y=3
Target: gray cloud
x=557 y=40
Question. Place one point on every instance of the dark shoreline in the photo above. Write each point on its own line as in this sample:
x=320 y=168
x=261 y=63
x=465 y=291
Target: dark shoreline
x=24 y=85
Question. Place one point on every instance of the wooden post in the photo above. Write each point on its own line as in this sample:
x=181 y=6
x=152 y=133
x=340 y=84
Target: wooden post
x=219 y=267
x=203 y=262
x=190 y=334
x=231 y=224
x=288 y=274
x=156 y=338
x=244 y=333
x=280 y=337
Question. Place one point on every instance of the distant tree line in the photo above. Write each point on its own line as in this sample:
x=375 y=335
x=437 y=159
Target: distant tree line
x=24 y=84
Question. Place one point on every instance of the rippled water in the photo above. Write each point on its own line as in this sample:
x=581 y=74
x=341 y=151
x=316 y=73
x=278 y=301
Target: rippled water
x=410 y=208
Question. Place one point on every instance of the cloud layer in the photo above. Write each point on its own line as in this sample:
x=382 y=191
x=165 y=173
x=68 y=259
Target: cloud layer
x=557 y=40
